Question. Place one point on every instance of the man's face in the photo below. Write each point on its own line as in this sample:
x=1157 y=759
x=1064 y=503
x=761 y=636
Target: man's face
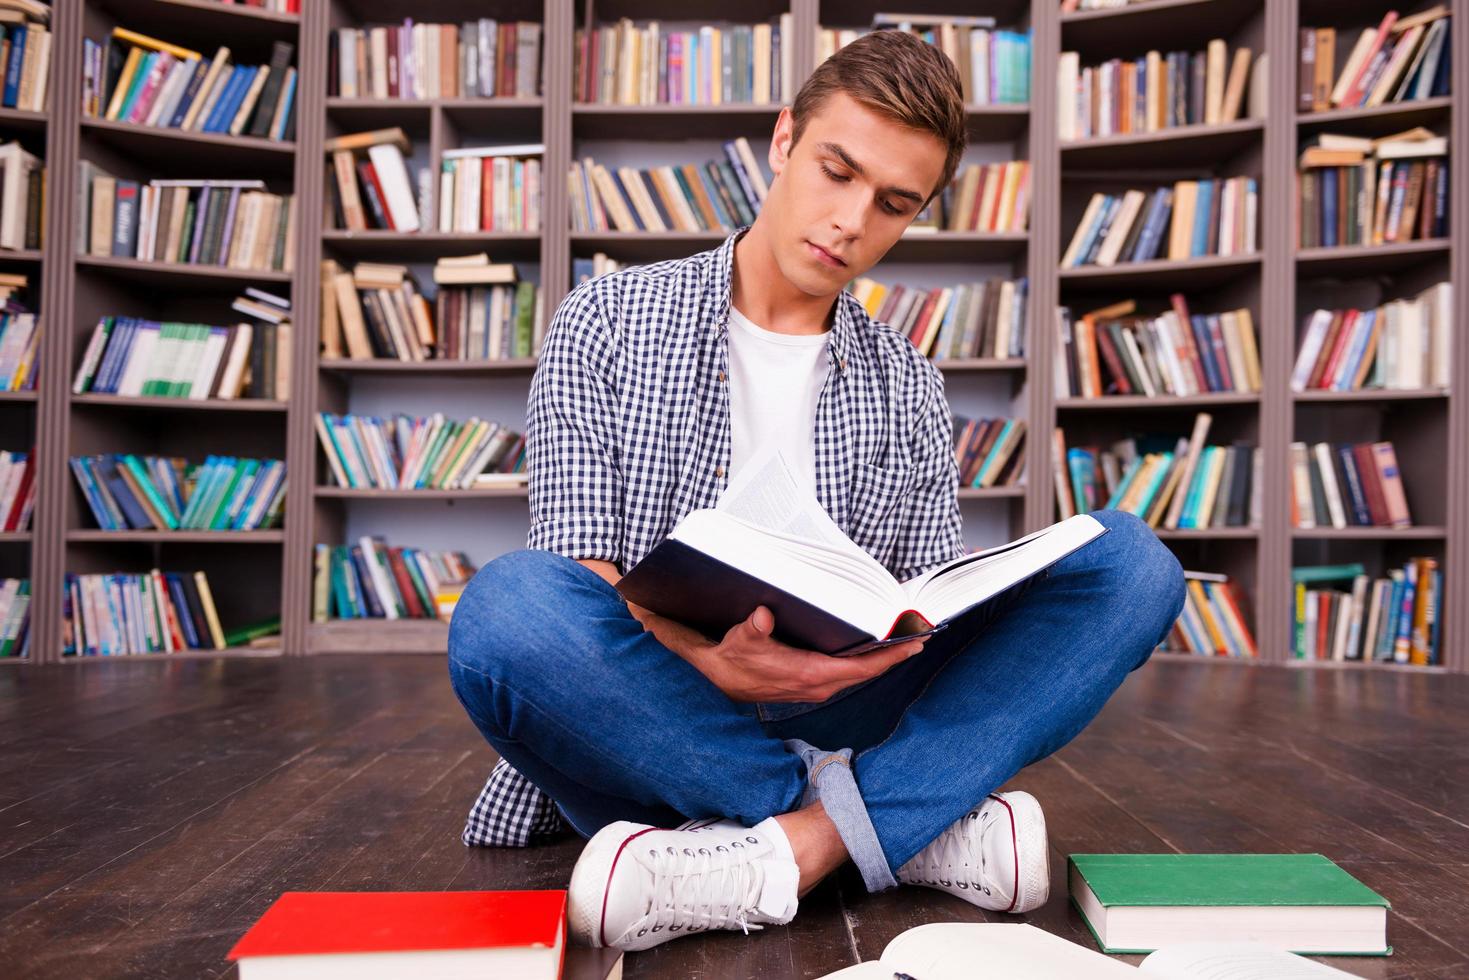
x=845 y=193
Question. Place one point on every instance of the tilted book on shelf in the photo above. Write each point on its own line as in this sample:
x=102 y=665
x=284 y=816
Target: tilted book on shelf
x=769 y=542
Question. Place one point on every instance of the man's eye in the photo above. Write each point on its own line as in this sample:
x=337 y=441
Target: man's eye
x=891 y=209
x=832 y=174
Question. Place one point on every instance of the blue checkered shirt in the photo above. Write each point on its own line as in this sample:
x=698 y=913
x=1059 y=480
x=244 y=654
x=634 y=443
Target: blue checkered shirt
x=628 y=429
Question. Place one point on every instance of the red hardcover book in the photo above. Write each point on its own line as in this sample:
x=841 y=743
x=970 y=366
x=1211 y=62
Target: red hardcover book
x=1371 y=484
x=405 y=584
x=422 y=934
x=21 y=494
x=1114 y=361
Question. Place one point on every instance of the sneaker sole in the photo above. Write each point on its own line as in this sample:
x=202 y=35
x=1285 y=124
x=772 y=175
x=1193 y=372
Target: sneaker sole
x=587 y=893
x=1032 y=851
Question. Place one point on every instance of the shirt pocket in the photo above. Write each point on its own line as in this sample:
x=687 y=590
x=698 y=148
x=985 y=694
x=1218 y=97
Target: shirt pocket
x=877 y=496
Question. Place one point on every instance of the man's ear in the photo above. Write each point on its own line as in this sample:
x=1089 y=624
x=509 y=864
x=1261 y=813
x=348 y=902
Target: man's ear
x=781 y=141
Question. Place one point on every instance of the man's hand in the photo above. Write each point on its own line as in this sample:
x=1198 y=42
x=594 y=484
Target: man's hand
x=751 y=665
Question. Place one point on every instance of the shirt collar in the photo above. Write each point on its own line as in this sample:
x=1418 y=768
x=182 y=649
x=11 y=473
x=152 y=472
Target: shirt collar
x=845 y=322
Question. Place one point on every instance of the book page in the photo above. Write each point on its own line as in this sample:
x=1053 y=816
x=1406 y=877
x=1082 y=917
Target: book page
x=767 y=494
x=1232 y=961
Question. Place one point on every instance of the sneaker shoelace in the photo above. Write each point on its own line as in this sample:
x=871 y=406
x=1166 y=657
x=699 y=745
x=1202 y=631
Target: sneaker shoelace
x=958 y=858
x=704 y=888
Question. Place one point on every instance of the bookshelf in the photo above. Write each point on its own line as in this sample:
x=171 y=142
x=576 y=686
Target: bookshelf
x=1278 y=284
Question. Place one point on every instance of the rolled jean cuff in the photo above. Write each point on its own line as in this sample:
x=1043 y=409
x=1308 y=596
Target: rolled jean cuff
x=829 y=779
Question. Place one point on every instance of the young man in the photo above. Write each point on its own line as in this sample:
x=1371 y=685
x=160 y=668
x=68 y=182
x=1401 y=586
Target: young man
x=655 y=386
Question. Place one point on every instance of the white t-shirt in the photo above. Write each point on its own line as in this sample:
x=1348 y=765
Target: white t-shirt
x=775 y=380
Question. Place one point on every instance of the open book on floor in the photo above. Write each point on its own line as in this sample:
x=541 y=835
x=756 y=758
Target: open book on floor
x=769 y=542
x=964 y=950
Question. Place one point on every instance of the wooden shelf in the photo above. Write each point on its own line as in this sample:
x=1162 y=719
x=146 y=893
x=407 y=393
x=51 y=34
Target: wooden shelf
x=229 y=653
x=966 y=365
x=189 y=18
x=94 y=536
x=18 y=396
x=992 y=493
x=425 y=246
x=960 y=246
x=154 y=403
x=1111 y=402
x=15 y=537
x=1371 y=395
x=378 y=636
x=1356 y=260
x=1164 y=24
x=480 y=493
x=996 y=122
x=382 y=365
x=178 y=273
x=1180 y=274
x=1166 y=147
x=24 y=120
x=1380 y=120
x=221 y=154
x=672 y=122
x=1425 y=532
x=21 y=255
x=471 y=113
x=1207 y=533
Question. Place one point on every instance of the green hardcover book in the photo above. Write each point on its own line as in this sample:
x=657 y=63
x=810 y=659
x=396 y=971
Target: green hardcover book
x=1135 y=903
x=162 y=506
x=243 y=635
x=525 y=312
x=1327 y=573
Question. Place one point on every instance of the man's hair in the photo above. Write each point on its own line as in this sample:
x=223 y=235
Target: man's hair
x=894 y=73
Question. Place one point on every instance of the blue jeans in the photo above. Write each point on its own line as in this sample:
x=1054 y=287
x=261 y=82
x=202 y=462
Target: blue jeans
x=568 y=687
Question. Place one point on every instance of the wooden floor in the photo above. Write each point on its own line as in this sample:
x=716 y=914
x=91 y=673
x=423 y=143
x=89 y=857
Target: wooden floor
x=150 y=811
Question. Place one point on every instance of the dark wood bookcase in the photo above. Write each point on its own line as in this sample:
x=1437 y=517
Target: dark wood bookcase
x=264 y=572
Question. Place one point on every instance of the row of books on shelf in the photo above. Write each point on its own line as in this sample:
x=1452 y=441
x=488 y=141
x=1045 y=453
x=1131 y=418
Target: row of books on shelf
x=491 y=189
x=1153 y=92
x=22 y=180
x=1401 y=59
x=18 y=340
x=17 y=490
x=15 y=617
x=163 y=493
x=973 y=319
x=482 y=58
x=370 y=580
x=600 y=264
x=1213 y=622
x=1115 y=351
x=25 y=55
x=368 y=186
x=1358 y=191
x=1342 y=613
x=1175 y=483
x=989 y=452
x=653 y=64
x=194 y=361
x=135 y=78
x=1347 y=485
x=420 y=453
x=720 y=195
x=992 y=197
x=237 y=224
x=480 y=312
x=108 y=615
x=1404 y=344
x=1191 y=219
x=993 y=65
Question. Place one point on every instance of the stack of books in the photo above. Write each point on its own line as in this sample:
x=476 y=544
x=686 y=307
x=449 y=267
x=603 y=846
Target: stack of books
x=1213 y=622
x=1192 y=219
x=1401 y=59
x=22 y=177
x=18 y=340
x=1359 y=191
x=721 y=195
x=17 y=490
x=482 y=313
x=628 y=64
x=994 y=65
x=978 y=319
x=1115 y=351
x=159 y=493
x=1343 y=614
x=600 y=264
x=134 y=78
x=371 y=580
x=25 y=54
x=263 y=306
x=989 y=452
x=984 y=197
x=372 y=188
x=15 y=617
x=1404 y=344
x=1347 y=485
x=491 y=188
x=153 y=359
x=1177 y=483
x=476 y=59
x=1151 y=93
x=237 y=224
x=152 y=612
x=407 y=453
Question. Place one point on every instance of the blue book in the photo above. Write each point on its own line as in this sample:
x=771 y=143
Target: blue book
x=1090 y=230
x=181 y=611
x=1328 y=207
x=1361 y=514
x=17 y=38
x=287 y=104
x=1362 y=332
x=116 y=328
x=1199 y=324
x=1403 y=615
x=626 y=198
x=237 y=75
x=720 y=214
x=1433 y=652
x=1146 y=247
x=128 y=337
x=99 y=508
x=581 y=271
x=1100 y=229
x=1200 y=244
x=365 y=588
x=191 y=92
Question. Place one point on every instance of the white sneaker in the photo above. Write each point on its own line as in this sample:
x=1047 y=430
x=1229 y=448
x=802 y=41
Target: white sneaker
x=636 y=886
x=995 y=856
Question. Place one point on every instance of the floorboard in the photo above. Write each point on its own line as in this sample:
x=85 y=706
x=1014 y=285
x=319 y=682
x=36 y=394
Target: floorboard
x=150 y=811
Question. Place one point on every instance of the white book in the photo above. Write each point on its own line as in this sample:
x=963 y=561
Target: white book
x=503 y=150
x=1311 y=342
x=214 y=349
x=387 y=595
x=234 y=370
x=1323 y=452
x=392 y=174
x=140 y=358
x=87 y=371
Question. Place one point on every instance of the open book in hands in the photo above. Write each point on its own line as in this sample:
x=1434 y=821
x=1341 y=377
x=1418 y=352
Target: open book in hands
x=769 y=542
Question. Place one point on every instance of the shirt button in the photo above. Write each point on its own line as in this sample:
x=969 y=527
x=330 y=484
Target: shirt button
x=721 y=377
x=719 y=472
